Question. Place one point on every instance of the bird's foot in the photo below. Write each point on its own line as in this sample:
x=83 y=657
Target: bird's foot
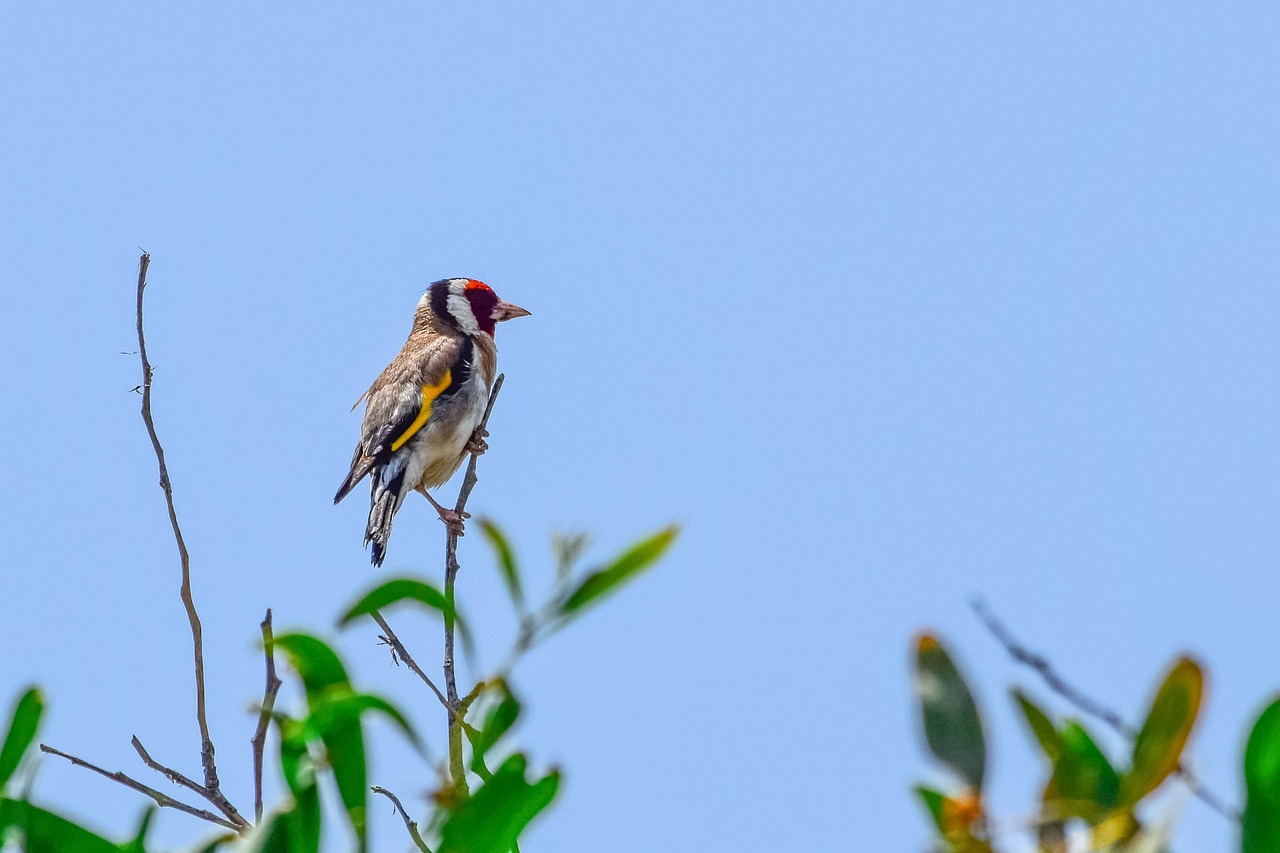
x=477 y=445
x=453 y=520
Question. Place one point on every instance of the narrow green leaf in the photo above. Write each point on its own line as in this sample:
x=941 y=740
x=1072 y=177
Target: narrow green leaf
x=1157 y=750
x=934 y=801
x=1260 y=825
x=218 y=842
x=341 y=708
x=497 y=722
x=139 y=843
x=392 y=592
x=492 y=818
x=952 y=725
x=407 y=589
x=303 y=822
x=23 y=725
x=631 y=562
x=46 y=832
x=325 y=678
x=271 y=835
x=568 y=549
x=506 y=560
x=316 y=663
x=1041 y=726
x=1085 y=784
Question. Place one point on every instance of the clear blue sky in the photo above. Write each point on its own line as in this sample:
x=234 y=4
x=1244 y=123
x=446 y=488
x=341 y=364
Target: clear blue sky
x=888 y=303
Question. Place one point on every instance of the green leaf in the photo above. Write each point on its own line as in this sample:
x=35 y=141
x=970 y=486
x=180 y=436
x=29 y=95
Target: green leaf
x=491 y=819
x=138 y=845
x=1260 y=825
x=1085 y=783
x=397 y=590
x=271 y=835
x=218 y=842
x=341 y=708
x=506 y=560
x=568 y=549
x=630 y=563
x=952 y=726
x=316 y=663
x=496 y=723
x=46 y=832
x=302 y=823
x=324 y=679
x=393 y=591
x=934 y=801
x=1040 y=724
x=1157 y=750
x=23 y=725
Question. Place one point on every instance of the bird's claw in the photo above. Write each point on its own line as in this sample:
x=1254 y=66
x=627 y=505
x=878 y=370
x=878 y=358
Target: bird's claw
x=477 y=445
x=453 y=520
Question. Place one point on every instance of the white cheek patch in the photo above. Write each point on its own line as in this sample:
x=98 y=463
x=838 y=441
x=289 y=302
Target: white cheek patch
x=460 y=308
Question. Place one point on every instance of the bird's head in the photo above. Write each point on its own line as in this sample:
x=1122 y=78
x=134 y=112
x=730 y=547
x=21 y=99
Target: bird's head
x=468 y=305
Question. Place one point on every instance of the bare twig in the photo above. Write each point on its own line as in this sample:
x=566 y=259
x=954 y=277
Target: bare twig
x=1092 y=707
x=409 y=823
x=161 y=800
x=457 y=769
x=211 y=787
x=214 y=797
x=392 y=640
x=259 y=739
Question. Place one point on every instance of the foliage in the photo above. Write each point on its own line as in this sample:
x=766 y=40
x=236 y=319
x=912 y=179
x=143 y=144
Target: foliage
x=323 y=743
x=1086 y=792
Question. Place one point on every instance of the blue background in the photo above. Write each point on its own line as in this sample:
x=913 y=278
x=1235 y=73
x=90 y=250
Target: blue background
x=887 y=303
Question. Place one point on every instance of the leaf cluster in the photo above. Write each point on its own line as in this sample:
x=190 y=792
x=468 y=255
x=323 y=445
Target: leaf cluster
x=1084 y=787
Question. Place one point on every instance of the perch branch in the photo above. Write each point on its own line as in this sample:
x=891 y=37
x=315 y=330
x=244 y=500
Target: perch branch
x=409 y=823
x=457 y=770
x=1092 y=707
x=161 y=800
x=259 y=739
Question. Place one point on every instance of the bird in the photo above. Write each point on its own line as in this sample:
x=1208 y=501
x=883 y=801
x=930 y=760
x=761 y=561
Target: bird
x=423 y=412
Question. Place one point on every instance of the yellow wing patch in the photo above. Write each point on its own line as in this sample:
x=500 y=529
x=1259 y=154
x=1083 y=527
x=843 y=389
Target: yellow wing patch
x=429 y=393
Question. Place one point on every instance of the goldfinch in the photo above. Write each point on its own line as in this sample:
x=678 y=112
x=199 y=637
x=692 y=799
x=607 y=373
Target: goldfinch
x=422 y=411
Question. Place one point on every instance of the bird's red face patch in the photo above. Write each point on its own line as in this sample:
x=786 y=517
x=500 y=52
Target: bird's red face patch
x=483 y=300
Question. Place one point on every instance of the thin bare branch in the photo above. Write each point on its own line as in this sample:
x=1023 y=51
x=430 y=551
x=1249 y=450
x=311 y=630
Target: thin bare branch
x=409 y=823
x=1092 y=707
x=211 y=788
x=259 y=739
x=213 y=796
x=161 y=800
x=393 y=641
x=457 y=770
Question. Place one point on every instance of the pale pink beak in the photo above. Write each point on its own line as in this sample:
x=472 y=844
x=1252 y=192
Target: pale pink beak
x=507 y=311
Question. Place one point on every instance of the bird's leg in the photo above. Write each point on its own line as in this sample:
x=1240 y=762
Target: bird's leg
x=477 y=445
x=452 y=518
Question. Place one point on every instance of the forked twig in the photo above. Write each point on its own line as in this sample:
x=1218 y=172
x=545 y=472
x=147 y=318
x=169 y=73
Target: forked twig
x=211 y=789
x=161 y=800
x=1090 y=706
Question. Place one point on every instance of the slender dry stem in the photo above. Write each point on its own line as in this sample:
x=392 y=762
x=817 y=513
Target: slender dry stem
x=161 y=800
x=211 y=789
x=392 y=640
x=409 y=823
x=259 y=739
x=1090 y=706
